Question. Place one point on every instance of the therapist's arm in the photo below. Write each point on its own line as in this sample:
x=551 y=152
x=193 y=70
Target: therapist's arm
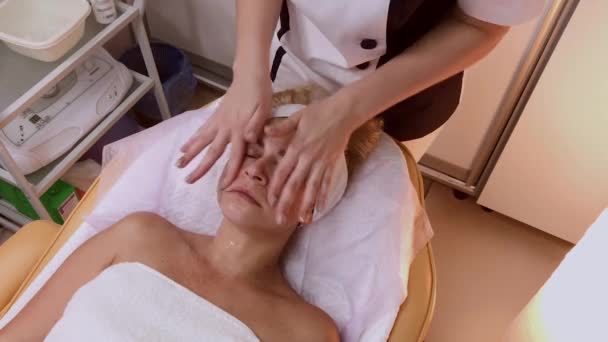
x=321 y=130
x=37 y=318
x=454 y=45
x=243 y=111
x=255 y=24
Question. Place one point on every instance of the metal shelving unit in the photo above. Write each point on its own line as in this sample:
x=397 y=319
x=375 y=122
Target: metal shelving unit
x=36 y=78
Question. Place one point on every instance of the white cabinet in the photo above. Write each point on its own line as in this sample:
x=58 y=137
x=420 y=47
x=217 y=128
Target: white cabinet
x=553 y=172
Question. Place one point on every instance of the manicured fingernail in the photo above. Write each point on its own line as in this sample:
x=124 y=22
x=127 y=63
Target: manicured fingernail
x=281 y=219
x=190 y=179
x=180 y=162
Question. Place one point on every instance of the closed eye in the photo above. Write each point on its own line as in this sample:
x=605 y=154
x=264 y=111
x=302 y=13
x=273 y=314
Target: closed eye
x=254 y=151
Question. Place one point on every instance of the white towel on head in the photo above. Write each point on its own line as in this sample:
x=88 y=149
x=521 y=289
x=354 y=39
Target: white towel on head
x=133 y=302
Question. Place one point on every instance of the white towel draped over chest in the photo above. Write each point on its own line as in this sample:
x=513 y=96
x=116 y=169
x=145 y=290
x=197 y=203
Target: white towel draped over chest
x=133 y=302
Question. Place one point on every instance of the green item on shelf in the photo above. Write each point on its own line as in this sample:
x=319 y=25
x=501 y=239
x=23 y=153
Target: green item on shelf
x=59 y=200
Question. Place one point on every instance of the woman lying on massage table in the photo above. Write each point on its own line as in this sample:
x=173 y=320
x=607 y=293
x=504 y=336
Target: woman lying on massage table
x=231 y=284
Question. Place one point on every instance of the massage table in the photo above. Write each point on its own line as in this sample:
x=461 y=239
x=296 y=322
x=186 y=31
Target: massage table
x=27 y=252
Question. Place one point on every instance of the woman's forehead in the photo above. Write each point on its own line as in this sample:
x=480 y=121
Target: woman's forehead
x=276 y=143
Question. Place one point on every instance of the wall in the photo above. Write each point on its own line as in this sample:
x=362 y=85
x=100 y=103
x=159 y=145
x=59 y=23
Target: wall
x=485 y=85
x=553 y=172
x=203 y=27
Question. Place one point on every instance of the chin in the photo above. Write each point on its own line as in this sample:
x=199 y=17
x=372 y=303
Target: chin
x=240 y=212
x=244 y=214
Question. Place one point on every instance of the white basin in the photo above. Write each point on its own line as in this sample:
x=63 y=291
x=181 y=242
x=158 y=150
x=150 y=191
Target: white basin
x=42 y=29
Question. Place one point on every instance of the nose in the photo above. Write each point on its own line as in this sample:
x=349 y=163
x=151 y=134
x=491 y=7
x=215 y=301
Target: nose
x=256 y=172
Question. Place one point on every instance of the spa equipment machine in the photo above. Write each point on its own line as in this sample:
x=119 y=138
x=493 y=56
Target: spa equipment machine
x=63 y=115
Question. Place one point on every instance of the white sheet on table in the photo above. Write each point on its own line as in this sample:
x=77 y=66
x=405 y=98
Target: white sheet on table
x=353 y=263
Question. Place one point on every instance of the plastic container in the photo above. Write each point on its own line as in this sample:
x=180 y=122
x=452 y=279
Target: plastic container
x=104 y=10
x=176 y=76
x=59 y=200
x=44 y=30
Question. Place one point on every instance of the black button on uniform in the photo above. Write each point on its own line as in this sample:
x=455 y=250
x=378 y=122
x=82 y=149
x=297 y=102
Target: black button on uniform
x=369 y=44
x=363 y=66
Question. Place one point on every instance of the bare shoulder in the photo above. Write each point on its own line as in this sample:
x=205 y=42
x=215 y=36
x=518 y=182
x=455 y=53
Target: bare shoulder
x=142 y=232
x=144 y=226
x=312 y=324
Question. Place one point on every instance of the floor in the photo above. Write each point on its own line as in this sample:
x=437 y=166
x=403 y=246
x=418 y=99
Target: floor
x=488 y=267
x=204 y=95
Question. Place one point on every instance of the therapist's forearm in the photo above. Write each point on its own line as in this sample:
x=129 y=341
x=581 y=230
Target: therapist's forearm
x=455 y=44
x=255 y=24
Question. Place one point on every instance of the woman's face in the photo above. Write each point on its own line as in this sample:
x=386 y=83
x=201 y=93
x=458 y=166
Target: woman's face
x=245 y=201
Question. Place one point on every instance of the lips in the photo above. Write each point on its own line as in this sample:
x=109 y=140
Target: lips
x=246 y=194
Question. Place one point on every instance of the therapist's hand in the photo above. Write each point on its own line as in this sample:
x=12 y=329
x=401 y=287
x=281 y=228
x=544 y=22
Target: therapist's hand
x=239 y=118
x=320 y=135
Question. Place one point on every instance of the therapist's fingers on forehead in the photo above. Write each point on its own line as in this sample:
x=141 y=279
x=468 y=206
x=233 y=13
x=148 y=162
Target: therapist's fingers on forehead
x=213 y=153
x=281 y=173
x=290 y=191
x=236 y=159
x=282 y=127
x=327 y=180
x=313 y=186
x=256 y=124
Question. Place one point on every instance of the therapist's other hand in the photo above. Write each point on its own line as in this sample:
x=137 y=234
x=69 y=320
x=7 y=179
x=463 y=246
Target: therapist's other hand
x=320 y=135
x=240 y=117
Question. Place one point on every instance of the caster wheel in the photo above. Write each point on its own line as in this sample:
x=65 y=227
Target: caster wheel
x=486 y=209
x=460 y=195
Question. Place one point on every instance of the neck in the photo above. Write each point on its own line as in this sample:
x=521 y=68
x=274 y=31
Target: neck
x=237 y=252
